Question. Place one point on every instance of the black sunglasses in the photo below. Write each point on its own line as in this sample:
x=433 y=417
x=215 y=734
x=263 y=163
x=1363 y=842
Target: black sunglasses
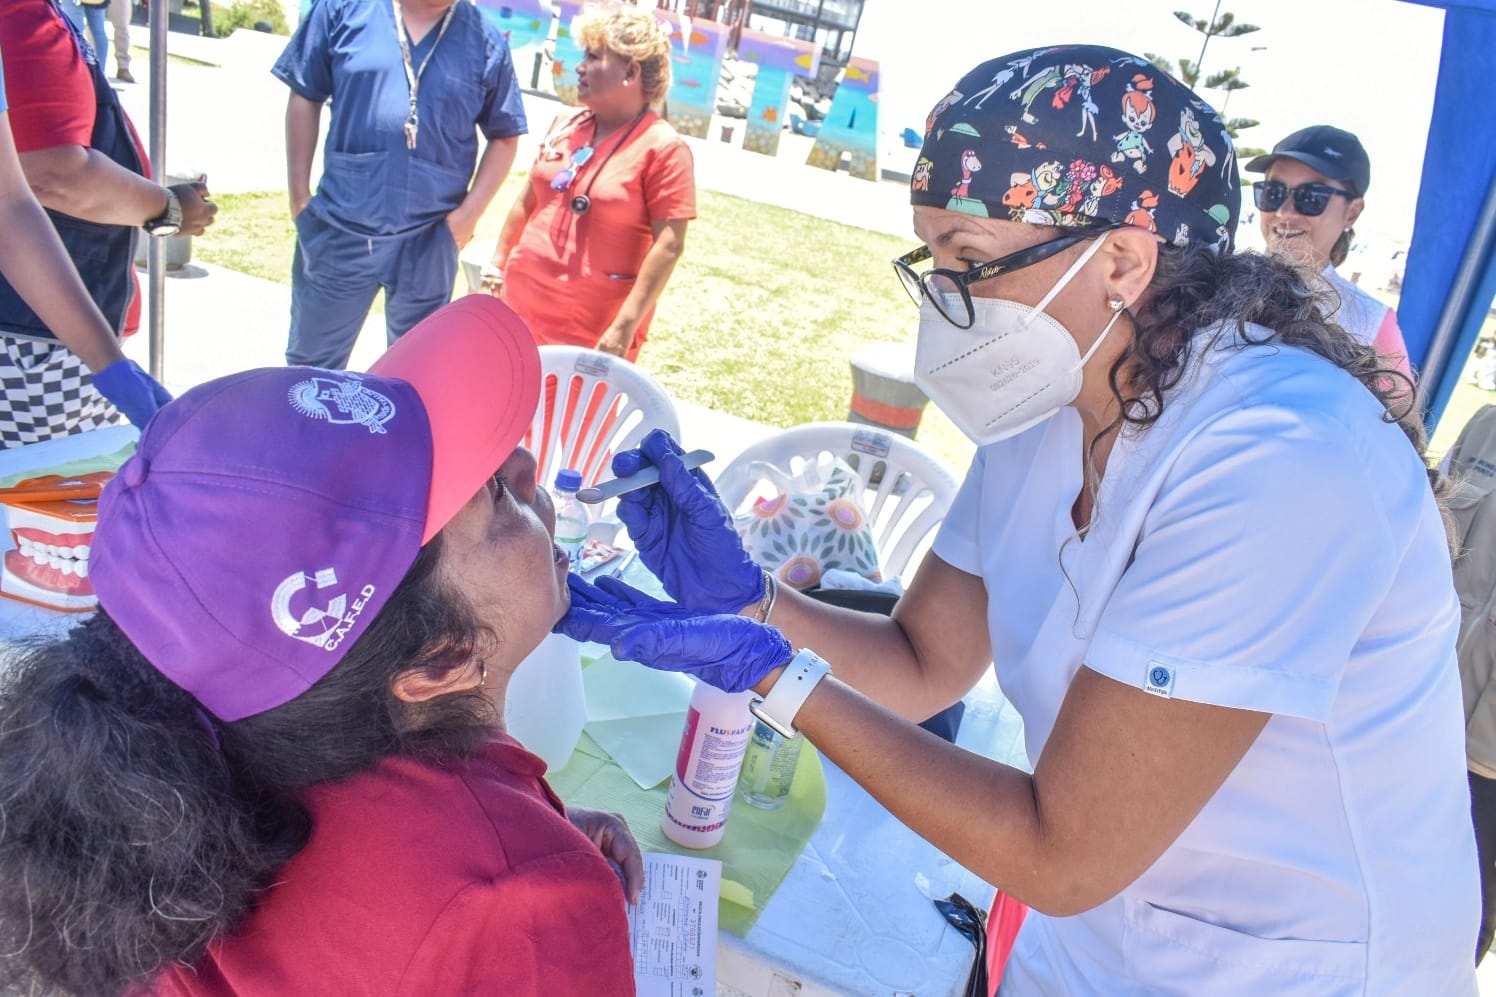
x=949 y=290
x=1309 y=199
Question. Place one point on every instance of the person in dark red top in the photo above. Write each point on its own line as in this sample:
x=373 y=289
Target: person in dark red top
x=85 y=164
x=273 y=763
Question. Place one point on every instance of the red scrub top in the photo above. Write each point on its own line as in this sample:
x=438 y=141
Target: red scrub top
x=568 y=274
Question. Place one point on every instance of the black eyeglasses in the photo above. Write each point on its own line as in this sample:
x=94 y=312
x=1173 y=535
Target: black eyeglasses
x=949 y=290
x=1309 y=199
x=563 y=179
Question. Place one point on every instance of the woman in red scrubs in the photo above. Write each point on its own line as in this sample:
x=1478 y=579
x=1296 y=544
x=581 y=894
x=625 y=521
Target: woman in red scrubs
x=590 y=244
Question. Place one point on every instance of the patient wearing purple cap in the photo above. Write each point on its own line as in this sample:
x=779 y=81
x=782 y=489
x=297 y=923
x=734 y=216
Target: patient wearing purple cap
x=273 y=763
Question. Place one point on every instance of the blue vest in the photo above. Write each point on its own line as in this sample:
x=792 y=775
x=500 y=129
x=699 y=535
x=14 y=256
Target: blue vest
x=103 y=254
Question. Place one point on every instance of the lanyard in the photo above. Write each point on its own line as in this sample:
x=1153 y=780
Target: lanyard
x=582 y=203
x=413 y=76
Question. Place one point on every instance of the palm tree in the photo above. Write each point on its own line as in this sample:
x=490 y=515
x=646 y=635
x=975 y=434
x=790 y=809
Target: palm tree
x=1219 y=25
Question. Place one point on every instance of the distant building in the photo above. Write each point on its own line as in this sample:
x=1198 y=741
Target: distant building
x=832 y=24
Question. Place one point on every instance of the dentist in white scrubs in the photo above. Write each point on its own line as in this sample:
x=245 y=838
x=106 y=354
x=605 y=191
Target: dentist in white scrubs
x=1198 y=540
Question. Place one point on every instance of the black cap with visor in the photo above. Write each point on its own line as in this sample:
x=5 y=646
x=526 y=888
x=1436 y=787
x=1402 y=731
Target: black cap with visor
x=1333 y=152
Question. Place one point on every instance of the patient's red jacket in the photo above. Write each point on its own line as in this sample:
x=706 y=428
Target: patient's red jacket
x=423 y=880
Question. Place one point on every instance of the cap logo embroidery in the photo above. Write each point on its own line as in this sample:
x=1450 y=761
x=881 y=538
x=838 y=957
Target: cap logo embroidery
x=1332 y=153
x=323 y=626
x=342 y=401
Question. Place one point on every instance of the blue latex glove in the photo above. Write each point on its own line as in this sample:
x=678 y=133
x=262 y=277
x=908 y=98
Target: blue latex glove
x=134 y=392
x=730 y=652
x=683 y=532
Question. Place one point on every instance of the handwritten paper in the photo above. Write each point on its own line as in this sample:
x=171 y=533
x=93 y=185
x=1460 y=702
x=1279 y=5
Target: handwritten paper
x=673 y=929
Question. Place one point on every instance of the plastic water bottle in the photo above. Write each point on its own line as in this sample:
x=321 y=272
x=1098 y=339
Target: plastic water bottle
x=571 y=516
x=769 y=766
x=706 y=767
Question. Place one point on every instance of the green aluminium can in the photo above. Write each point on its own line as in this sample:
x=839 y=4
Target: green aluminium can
x=769 y=766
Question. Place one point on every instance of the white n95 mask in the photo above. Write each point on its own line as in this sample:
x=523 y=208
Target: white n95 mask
x=1015 y=367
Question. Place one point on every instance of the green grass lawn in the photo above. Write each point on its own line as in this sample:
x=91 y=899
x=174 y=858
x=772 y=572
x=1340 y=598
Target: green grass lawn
x=759 y=319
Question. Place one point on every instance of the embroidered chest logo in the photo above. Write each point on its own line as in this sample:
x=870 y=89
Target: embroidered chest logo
x=342 y=401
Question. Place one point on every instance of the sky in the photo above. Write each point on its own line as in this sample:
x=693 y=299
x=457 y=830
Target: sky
x=1368 y=66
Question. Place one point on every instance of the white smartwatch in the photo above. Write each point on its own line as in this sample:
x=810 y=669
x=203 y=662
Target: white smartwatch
x=790 y=690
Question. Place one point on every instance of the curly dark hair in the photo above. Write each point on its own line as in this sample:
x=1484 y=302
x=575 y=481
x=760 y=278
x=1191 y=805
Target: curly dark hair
x=1195 y=290
x=134 y=828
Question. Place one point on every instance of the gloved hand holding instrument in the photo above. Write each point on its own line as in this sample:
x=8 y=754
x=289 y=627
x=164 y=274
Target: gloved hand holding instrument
x=728 y=651
x=684 y=534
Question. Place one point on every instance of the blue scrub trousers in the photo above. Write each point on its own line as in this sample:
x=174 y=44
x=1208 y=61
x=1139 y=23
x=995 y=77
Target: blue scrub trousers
x=335 y=275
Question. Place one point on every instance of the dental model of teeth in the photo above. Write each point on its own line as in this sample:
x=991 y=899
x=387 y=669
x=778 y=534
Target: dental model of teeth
x=48 y=560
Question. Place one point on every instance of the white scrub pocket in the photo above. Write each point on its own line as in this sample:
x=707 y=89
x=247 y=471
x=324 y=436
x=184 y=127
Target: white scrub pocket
x=1181 y=955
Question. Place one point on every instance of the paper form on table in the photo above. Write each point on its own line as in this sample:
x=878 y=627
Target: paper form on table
x=673 y=930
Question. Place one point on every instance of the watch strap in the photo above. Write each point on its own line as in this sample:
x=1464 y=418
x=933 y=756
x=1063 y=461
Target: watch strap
x=170 y=217
x=790 y=690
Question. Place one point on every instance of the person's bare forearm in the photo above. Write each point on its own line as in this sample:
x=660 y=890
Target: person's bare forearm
x=303 y=124
x=514 y=225
x=910 y=663
x=38 y=267
x=654 y=274
x=87 y=184
x=493 y=167
x=1090 y=820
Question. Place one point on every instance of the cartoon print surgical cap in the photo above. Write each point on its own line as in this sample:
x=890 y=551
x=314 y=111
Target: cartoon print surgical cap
x=1081 y=136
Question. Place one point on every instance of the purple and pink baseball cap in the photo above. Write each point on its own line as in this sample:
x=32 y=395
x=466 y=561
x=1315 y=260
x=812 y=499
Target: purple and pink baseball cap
x=266 y=517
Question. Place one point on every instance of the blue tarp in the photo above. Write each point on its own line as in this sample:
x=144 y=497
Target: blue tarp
x=1450 y=279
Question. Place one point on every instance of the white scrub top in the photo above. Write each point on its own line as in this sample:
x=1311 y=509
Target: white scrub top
x=1355 y=311
x=1269 y=544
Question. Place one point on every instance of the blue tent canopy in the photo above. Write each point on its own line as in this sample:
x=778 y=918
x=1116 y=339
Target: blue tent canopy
x=1450 y=278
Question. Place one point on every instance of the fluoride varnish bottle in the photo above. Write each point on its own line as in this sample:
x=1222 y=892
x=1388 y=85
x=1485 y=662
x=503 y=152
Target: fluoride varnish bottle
x=718 y=725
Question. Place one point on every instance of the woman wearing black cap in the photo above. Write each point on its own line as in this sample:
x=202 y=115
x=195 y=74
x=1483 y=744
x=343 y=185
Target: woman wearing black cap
x=1202 y=550
x=1314 y=191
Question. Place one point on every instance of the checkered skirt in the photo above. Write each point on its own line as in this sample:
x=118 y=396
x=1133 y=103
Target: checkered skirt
x=46 y=392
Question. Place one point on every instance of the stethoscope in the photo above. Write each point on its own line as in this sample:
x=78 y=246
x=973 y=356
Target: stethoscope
x=582 y=203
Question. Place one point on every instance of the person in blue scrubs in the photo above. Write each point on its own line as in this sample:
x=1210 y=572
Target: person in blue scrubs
x=411 y=83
